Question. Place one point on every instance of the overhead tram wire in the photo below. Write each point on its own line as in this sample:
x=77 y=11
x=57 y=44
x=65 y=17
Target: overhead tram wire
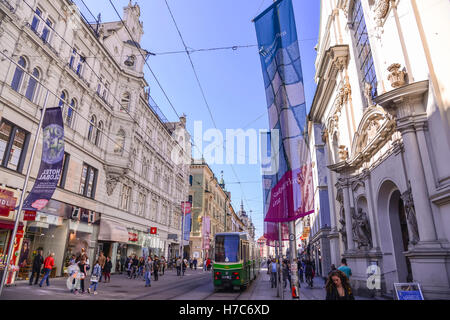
x=109 y=90
x=199 y=84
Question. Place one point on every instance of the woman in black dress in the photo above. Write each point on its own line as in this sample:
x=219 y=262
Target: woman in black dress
x=338 y=287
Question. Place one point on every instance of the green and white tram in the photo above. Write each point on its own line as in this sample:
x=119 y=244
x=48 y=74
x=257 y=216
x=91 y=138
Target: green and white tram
x=236 y=260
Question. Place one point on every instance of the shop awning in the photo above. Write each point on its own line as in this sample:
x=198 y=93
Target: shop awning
x=112 y=231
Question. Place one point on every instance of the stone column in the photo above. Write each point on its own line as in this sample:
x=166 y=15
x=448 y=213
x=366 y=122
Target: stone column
x=372 y=216
x=348 y=216
x=416 y=175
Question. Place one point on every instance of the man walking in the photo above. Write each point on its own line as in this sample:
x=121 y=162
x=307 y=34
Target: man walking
x=156 y=265
x=178 y=265
x=49 y=262
x=273 y=276
x=148 y=271
x=37 y=265
x=195 y=263
x=345 y=269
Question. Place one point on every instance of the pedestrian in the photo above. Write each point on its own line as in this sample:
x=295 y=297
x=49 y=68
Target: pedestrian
x=122 y=264
x=191 y=263
x=73 y=282
x=345 y=269
x=300 y=270
x=129 y=265
x=184 y=266
x=338 y=287
x=163 y=264
x=135 y=266
x=268 y=266
x=101 y=261
x=178 y=265
x=148 y=271
x=49 y=262
x=208 y=264
x=156 y=265
x=204 y=265
x=141 y=265
x=38 y=261
x=309 y=273
x=273 y=276
x=83 y=272
x=95 y=277
x=286 y=274
x=195 y=263
x=107 y=269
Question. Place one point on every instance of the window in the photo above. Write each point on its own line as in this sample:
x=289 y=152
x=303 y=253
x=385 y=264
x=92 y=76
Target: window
x=62 y=99
x=80 y=65
x=18 y=74
x=13 y=142
x=92 y=125
x=88 y=181
x=98 y=133
x=69 y=113
x=364 y=53
x=36 y=20
x=46 y=31
x=65 y=168
x=73 y=57
x=125 y=197
x=105 y=91
x=32 y=84
x=190 y=180
x=125 y=102
x=120 y=142
x=141 y=204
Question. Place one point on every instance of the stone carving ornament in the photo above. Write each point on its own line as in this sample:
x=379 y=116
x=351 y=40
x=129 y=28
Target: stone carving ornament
x=361 y=229
x=381 y=10
x=410 y=212
x=396 y=76
x=111 y=182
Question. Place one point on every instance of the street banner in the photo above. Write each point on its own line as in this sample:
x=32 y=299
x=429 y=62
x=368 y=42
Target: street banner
x=287 y=183
x=51 y=161
x=186 y=209
x=206 y=229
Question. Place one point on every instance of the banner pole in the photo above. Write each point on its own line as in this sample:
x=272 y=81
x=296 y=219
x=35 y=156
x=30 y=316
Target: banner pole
x=24 y=188
x=280 y=251
x=293 y=251
x=182 y=239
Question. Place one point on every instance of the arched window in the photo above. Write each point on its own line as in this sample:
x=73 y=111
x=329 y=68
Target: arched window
x=18 y=74
x=362 y=45
x=62 y=99
x=125 y=102
x=70 y=113
x=32 y=84
x=120 y=142
x=92 y=125
x=98 y=133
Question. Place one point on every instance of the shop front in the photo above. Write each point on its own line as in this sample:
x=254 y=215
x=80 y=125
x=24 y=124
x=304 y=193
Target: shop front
x=113 y=241
x=61 y=229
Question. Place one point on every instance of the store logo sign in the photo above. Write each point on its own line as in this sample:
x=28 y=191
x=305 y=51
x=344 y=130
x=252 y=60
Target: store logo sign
x=29 y=215
x=153 y=230
x=7 y=202
x=132 y=236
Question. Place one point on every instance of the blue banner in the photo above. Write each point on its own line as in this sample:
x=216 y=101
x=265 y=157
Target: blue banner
x=51 y=162
x=287 y=181
x=187 y=226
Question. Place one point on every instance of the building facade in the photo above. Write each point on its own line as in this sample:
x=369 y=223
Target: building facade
x=380 y=118
x=125 y=170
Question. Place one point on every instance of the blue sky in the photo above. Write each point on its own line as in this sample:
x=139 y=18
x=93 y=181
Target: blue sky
x=231 y=79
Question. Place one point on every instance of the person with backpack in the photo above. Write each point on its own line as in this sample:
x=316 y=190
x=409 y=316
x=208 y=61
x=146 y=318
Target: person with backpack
x=49 y=262
x=208 y=264
x=83 y=272
x=38 y=261
x=95 y=277
x=107 y=269
x=148 y=271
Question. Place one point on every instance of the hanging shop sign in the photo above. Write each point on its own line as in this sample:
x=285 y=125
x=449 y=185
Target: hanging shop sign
x=7 y=202
x=153 y=230
x=132 y=236
x=29 y=215
x=51 y=162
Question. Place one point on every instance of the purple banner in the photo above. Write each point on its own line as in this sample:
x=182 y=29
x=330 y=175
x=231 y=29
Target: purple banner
x=51 y=163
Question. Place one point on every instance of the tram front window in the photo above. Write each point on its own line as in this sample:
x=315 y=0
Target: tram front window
x=227 y=249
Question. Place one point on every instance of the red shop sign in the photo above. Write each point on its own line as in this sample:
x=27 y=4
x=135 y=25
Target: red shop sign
x=29 y=215
x=132 y=236
x=7 y=202
x=153 y=230
x=186 y=207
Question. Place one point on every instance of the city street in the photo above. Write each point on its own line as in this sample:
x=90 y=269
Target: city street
x=195 y=285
